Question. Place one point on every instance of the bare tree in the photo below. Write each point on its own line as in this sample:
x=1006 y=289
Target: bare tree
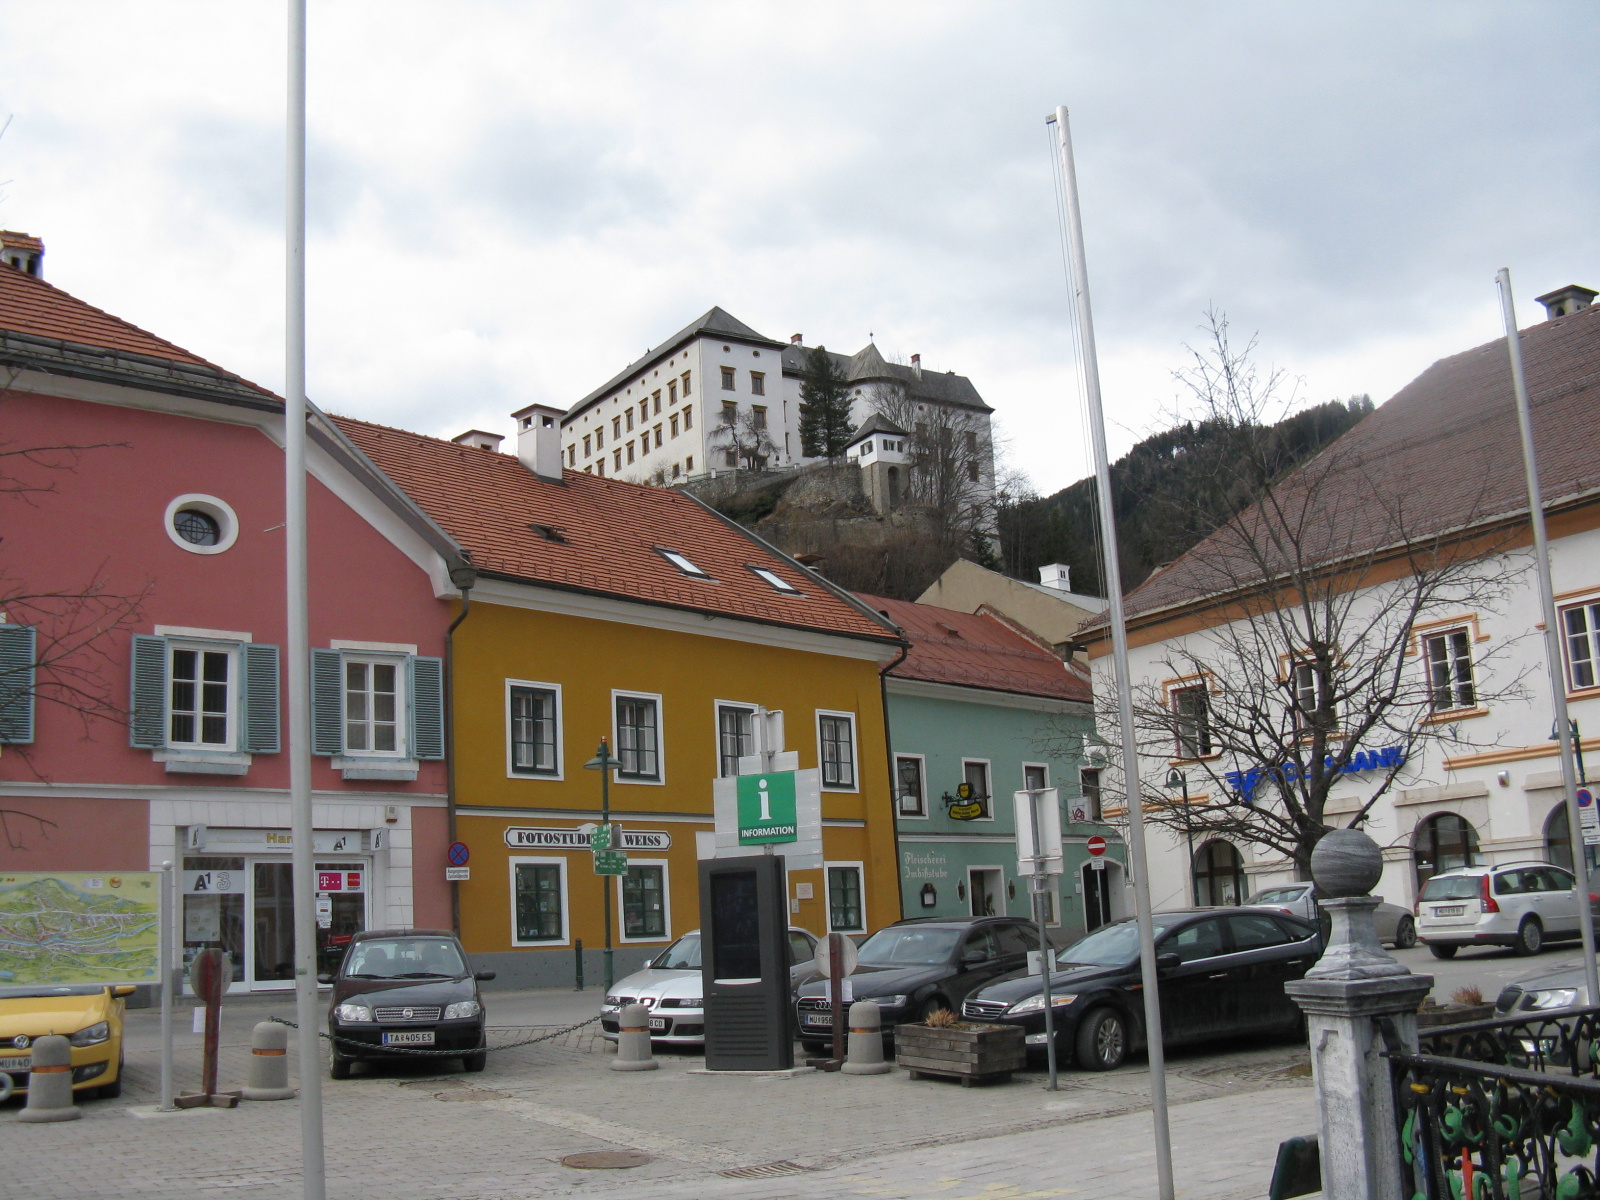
x=744 y=434
x=1309 y=665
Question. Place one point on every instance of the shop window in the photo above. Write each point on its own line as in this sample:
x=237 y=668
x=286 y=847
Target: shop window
x=836 y=733
x=845 y=911
x=644 y=903
x=1449 y=661
x=736 y=737
x=1444 y=842
x=535 y=720
x=213 y=909
x=638 y=737
x=1191 y=720
x=1218 y=874
x=539 y=902
x=910 y=785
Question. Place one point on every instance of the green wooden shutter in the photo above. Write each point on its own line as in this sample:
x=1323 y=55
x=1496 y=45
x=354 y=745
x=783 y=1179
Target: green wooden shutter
x=426 y=679
x=261 y=699
x=327 y=702
x=18 y=654
x=147 y=724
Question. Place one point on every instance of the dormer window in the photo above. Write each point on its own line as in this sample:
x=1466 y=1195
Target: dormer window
x=777 y=581
x=550 y=533
x=682 y=562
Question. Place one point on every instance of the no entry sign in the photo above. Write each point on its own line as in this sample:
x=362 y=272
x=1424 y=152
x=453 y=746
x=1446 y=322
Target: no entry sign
x=1096 y=846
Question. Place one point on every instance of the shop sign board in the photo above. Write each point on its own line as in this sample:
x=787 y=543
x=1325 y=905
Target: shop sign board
x=521 y=837
x=60 y=927
x=339 y=881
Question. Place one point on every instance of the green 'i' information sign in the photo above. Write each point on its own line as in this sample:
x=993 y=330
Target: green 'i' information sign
x=767 y=809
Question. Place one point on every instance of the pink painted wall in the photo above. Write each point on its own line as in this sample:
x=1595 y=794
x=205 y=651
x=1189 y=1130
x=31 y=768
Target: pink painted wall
x=430 y=894
x=102 y=519
x=68 y=833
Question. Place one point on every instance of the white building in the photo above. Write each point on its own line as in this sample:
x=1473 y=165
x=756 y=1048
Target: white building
x=1445 y=452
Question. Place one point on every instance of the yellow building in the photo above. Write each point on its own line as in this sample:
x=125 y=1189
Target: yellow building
x=605 y=610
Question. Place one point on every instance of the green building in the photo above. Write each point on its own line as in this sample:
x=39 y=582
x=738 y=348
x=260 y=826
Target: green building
x=978 y=710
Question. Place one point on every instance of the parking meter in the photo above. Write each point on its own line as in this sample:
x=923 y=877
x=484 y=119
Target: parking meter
x=744 y=964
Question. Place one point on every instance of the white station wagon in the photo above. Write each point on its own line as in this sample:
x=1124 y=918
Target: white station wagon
x=1522 y=905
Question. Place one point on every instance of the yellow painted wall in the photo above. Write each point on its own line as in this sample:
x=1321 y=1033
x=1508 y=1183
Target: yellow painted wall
x=588 y=658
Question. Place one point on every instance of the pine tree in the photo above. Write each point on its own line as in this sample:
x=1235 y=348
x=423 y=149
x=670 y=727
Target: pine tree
x=824 y=407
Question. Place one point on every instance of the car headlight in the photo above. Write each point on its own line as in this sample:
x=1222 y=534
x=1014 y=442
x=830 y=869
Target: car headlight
x=611 y=1002
x=684 y=1002
x=462 y=1009
x=91 y=1036
x=1033 y=1004
x=1552 y=998
x=351 y=1014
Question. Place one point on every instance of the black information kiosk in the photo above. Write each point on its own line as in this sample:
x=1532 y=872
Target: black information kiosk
x=744 y=963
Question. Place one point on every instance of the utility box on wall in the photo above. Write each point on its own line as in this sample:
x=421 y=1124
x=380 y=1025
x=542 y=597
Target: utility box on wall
x=744 y=963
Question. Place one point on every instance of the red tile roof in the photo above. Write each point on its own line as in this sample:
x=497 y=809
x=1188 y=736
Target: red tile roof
x=977 y=650
x=610 y=531
x=20 y=241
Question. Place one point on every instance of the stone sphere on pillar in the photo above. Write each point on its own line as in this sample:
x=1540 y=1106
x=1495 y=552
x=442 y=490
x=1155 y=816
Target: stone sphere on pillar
x=1346 y=862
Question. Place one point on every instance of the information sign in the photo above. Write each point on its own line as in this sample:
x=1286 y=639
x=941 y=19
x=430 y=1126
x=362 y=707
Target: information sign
x=610 y=862
x=600 y=837
x=767 y=811
x=79 y=927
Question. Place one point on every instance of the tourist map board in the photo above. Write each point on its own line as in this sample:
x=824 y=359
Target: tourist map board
x=79 y=927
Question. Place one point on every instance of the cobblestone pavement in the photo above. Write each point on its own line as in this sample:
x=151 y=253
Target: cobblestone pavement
x=421 y=1131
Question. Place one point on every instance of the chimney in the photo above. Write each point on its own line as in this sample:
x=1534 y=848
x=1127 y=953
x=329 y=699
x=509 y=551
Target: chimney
x=22 y=252
x=1056 y=577
x=479 y=439
x=916 y=365
x=796 y=339
x=539 y=440
x=1562 y=302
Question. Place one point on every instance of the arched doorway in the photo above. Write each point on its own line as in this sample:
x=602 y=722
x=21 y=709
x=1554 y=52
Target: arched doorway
x=1444 y=842
x=1218 y=874
x=1558 y=837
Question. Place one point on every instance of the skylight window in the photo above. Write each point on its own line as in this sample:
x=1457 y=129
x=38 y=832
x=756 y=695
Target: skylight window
x=778 y=582
x=682 y=562
x=550 y=533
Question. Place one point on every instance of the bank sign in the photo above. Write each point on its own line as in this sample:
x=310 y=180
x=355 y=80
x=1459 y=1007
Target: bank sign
x=1245 y=783
x=767 y=809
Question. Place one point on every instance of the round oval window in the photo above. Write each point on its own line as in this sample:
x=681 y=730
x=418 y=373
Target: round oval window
x=196 y=527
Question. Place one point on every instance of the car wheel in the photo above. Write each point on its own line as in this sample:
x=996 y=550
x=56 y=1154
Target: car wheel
x=1102 y=1040
x=475 y=1062
x=1439 y=951
x=1405 y=934
x=339 y=1068
x=1530 y=937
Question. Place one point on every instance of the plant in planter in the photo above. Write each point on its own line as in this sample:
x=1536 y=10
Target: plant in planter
x=1466 y=1004
x=944 y=1046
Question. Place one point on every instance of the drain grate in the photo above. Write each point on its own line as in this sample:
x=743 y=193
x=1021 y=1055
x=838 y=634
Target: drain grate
x=763 y=1171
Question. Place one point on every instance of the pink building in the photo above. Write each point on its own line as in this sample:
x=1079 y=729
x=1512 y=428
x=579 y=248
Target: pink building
x=141 y=620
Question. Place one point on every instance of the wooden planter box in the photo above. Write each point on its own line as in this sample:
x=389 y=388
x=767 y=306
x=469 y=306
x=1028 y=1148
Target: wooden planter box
x=974 y=1055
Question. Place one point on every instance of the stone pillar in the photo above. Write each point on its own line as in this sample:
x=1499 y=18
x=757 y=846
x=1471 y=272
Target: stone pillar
x=1353 y=985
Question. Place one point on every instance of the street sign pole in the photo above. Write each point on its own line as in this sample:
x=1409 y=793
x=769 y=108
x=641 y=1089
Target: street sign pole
x=605 y=880
x=168 y=907
x=1041 y=884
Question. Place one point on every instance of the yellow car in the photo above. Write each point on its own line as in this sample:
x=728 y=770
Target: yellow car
x=87 y=1015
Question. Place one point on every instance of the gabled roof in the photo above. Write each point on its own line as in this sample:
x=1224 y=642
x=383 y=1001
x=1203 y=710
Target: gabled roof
x=876 y=423
x=1442 y=454
x=977 y=650
x=609 y=536
x=868 y=365
x=715 y=322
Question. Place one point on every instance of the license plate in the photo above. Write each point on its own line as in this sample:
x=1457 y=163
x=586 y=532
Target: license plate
x=658 y=1022
x=15 y=1064
x=1453 y=910
x=418 y=1038
x=817 y=1020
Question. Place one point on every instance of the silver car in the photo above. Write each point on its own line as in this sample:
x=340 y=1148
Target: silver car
x=1522 y=905
x=1394 y=924
x=670 y=988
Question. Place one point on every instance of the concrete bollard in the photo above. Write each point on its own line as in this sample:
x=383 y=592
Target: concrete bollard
x=50 y=1082
x=633 y=1040
x=865 y=1053
x=269 y=1063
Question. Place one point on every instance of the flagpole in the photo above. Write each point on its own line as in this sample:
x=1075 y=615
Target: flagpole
x=298 y=648
x=1119 y=655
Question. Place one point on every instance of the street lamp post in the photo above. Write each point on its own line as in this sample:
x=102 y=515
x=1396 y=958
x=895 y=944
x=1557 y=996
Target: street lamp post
x=1177 y=779
x=605 y=764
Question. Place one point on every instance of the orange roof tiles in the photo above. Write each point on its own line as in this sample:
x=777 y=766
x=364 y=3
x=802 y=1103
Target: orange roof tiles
x=610 y=530
x=976 y=650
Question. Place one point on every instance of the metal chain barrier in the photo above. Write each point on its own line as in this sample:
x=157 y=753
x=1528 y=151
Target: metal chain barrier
x=544 y=1037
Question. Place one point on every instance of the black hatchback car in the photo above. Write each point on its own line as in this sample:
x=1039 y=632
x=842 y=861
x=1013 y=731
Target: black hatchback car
x=1221 y=971
x=405 y=989
x=913 y=967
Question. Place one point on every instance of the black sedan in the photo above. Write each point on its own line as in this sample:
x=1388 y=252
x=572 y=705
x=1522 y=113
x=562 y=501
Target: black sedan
x=1222 y=972
x=405 y=989
x=912 y=967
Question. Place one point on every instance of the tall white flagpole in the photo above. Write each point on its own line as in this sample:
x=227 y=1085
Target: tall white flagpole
x=1554 y=666
x=1119 y=654
x=298 y=649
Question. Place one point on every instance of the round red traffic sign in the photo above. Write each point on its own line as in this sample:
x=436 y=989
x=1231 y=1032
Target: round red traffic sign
x=1096 y=845
x=458 y=854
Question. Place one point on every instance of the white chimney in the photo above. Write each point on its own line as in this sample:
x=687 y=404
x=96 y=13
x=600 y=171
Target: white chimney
x=479 y=438
x=1563 y=302
x=22 y=252
x=1056 y=577
x=916 y=364
x=539 y=440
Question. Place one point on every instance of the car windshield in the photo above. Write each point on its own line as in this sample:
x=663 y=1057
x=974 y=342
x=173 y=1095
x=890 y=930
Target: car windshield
x=682 y=955
x=405 y=958
x=1277 y=896
x=910 y=946
x=64 y=989
x=1452 y=887
x=1111 y=946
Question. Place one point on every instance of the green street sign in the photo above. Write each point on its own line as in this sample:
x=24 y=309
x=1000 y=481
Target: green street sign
x=600 y=837
x=610 y=862
x=767 y=809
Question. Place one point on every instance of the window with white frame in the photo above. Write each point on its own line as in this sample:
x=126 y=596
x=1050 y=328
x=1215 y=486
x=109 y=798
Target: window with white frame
x=1035 y=777
x=975 y=774
x=846 y=911
x=639 y=737
x=736 y=736
x=534 y=714
x=1449 y=661
x=910 y=785
x=1580 y=627
x=373 y=704
x=202 y=700
x=1191 y=721
x=644 y=902
x=1310 y=693
x=539 y=901
x=836 y=734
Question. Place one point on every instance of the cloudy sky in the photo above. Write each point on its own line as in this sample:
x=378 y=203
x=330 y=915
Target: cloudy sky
x=510 y=201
